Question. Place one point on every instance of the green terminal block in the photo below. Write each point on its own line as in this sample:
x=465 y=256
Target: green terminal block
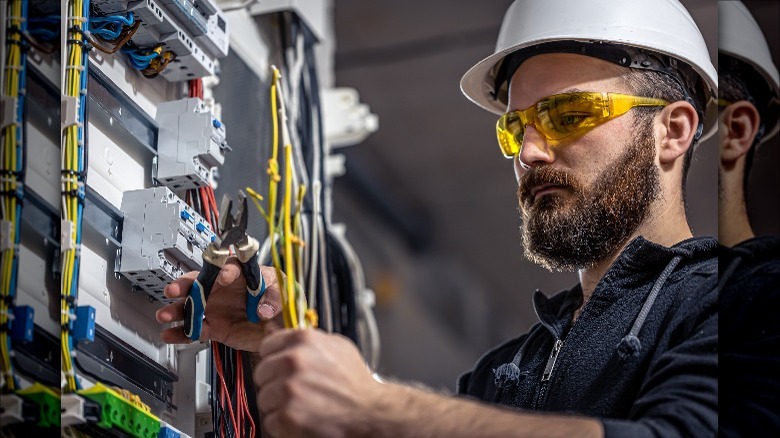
x=47 y=401
x=120 y=413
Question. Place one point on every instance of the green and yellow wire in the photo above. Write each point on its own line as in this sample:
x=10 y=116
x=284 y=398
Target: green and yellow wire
x=10 y=207
x=288 y=225
x=72 y=168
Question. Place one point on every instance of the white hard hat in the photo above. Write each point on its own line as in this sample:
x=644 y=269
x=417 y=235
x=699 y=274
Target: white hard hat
x=658 y=27
x=740 y=37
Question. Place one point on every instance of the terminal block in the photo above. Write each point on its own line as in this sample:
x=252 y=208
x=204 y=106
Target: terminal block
x=158 y=28
x=191 y=141
x=162 y=239
x=122 y=413
x=46 y=402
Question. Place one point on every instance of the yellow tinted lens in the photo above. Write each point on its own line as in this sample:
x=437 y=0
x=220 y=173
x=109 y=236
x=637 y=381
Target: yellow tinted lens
x=561 y=115
x=565 y=114
x=509 y=130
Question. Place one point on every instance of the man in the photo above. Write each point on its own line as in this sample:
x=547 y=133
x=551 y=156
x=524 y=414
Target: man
x=602 y=103
x=750 y=266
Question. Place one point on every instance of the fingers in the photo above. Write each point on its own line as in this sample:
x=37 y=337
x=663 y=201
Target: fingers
x=170 y=313
x=284 y=339
x=272 y=395
x=274 y=368
x=174 y=335
x=180 y=287
x=229 y=273
x=270 y=304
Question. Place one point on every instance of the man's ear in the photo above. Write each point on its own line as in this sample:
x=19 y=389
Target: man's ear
x=676 y=126
x=739 y=123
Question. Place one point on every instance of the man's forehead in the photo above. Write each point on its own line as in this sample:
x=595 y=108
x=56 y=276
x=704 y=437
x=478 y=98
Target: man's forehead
x=553 y=73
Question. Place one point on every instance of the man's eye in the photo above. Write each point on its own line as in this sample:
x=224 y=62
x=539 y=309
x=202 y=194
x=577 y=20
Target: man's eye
x=569 y=119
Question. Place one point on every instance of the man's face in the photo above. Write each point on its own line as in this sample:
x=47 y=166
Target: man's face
x=581 y=197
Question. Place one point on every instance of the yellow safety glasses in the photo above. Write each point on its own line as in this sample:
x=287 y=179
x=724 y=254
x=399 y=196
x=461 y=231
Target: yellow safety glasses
x=561 y=115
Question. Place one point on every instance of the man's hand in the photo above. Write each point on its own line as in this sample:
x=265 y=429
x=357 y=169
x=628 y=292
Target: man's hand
x=225 y=320
x=311 y=383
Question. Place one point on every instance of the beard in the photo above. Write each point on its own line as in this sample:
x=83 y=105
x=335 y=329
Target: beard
x=577 y=227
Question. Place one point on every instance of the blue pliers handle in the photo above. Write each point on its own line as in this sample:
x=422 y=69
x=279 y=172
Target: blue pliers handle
x=195 y=304
x=255 y=287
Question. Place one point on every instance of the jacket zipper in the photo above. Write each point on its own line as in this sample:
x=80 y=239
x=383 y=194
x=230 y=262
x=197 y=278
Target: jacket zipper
x=548 y=369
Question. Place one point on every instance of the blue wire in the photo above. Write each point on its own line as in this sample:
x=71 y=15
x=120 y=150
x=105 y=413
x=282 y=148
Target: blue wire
x=108 y=34
x=140 y=57
x=127 y=21
x=139 y=61
x=44 y=34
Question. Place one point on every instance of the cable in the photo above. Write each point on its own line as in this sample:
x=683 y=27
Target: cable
x=12 y=179
x=116 y=30
x=74 y=167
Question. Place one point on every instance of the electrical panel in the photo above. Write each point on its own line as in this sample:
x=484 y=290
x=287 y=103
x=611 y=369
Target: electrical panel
x=114 y=124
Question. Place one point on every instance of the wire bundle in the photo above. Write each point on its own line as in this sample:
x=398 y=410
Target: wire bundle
x=332 y=273
x=286 y=226
x=74 y=168
x=109 y=34
x=150 y=62
x=12 y=174
x=43 y=34
x=233 y=412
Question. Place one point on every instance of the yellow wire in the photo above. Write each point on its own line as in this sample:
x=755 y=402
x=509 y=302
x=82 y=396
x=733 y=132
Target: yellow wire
x=11 y=88
x=294 y=309
x=289 y=260
x=70 y=185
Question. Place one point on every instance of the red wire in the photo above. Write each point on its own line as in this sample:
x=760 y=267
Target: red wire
x=239 y=407
x=244 y=403
x=210 y=192
x=206 y=205
x=223 y=385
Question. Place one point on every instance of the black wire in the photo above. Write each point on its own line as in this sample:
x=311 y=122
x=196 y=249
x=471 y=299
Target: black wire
x=196 y=202
x=249 y=388
x=213 y=380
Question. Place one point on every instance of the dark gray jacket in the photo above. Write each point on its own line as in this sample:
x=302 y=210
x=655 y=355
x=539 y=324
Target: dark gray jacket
x=642 y=356
x=750 y=345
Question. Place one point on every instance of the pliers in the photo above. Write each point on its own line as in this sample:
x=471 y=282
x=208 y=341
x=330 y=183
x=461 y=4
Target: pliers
x=214 y=258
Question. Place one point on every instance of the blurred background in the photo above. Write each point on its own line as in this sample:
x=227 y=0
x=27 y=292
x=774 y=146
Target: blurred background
x=764 y=186
x=430 y=203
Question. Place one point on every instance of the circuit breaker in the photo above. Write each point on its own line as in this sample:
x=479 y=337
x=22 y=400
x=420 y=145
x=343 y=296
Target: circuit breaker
x=190 y=144
x=163 y=238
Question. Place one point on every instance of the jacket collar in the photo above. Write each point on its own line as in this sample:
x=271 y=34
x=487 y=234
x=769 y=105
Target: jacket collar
x=639 y=263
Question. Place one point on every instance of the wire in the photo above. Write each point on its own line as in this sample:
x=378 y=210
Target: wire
x=12 y=180
x=120 y=42
x=295 y=310
x=74 y=166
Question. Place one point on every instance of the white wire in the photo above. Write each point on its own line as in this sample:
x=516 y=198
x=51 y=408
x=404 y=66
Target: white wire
x=370 y=333
x=326 y=304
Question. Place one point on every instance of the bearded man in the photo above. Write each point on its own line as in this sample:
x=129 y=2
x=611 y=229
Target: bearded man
x=601 y=104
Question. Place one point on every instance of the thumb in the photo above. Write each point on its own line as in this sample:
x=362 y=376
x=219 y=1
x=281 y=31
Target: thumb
x=270 y=305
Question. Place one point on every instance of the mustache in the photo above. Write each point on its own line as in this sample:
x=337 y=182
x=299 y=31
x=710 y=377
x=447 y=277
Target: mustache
x=545 y=175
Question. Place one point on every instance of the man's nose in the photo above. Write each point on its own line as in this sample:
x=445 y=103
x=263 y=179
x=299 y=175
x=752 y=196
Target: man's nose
x=536 y=149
